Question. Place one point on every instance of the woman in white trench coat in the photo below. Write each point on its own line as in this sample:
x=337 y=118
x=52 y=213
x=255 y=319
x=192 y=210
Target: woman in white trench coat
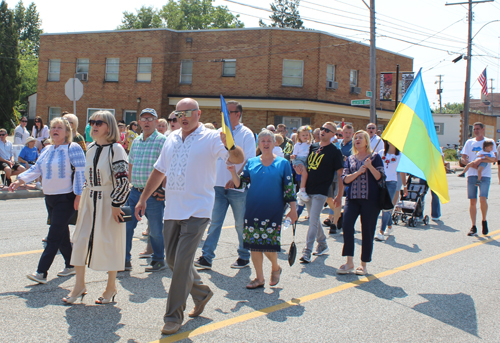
x=99 y=239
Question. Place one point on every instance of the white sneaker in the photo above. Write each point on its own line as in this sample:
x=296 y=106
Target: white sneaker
x=388 y=231
x=303 y=195
x=67 y=272
x=38 y=186
x=379 y=237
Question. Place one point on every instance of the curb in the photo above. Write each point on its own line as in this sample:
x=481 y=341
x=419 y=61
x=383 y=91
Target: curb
x=22 y=194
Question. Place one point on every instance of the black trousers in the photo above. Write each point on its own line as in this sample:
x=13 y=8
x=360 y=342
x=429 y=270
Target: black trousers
x=60 y=208
x=369 y=211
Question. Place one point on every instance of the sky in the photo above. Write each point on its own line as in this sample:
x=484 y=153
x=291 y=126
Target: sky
x=427 y=30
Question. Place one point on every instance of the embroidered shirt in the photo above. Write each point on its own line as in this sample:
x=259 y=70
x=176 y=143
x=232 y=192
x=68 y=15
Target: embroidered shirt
x=143 y=155
x=365 y=186
x=20 y=135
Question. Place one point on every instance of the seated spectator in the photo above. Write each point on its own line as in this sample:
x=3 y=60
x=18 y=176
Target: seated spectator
x=29 y=154
x=7 y=163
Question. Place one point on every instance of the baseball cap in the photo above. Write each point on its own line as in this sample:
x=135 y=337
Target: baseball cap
x=150 y=111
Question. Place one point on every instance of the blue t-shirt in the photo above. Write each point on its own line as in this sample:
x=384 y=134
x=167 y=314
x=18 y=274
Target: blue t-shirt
x=29 y=155
x=346 y=149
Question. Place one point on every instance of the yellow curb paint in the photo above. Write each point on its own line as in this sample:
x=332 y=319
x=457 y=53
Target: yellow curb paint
x=22 y=253
x=295 y=301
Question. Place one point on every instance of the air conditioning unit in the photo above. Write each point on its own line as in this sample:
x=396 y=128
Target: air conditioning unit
x=82 y=76
x=332 y=85
x=355 y=90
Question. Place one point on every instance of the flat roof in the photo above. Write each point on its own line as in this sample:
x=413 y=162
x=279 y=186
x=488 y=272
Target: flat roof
x=232 y=29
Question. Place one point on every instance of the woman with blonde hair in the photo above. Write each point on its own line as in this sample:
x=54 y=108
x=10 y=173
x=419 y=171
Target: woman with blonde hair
x=99 y=239
x=162 y=126
x=362 y=171
x=61 y=166
x=77 y=138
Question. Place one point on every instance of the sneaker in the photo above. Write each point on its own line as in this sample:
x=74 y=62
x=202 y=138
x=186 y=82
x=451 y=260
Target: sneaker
x=156 y=266
x=473 y=231
x=306 y=258
x=240 y=263
x=379 y=237
x=37 y=277
x=38 y=186
x=388 y=231
x=321 y=250
x=202 y=263
x=67 y=272
x=333 y=229
x=485 y=227
x=303 y=195
x=128 y=266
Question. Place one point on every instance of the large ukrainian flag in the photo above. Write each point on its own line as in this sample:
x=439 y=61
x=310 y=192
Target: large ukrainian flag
x=226 y=123
x=412 y=131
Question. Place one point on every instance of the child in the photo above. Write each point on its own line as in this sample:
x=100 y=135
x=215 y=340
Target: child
x=277 y=149
x=487 y=151
x=299 y=158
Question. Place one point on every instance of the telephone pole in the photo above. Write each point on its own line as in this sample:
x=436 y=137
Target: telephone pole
x=439 y=91
x=465 y=126
x=491 y=92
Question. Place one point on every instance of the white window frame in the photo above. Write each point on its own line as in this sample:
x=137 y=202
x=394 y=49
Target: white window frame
x=111 y=62
x=286 y=74
x=53 y=115
x=80 y=62
x=186 y=79
x=93 y=109
x=54 y=70
x=353 y=74
x=144 y=69
x=227 y=66
x=330 y=74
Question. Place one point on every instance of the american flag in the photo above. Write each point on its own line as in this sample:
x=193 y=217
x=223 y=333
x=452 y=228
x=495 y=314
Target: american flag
x=483 y=82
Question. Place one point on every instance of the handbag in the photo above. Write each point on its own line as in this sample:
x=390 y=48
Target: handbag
x=292 y=252
x=128 y=214
x=385 y=200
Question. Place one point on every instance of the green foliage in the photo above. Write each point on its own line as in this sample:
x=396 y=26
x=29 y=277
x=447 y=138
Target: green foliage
x=146 y=18
x=285 y=15
x=450 y=155
x=28 y=74
x=9 y=65
x=451 y=108
x=28 y=26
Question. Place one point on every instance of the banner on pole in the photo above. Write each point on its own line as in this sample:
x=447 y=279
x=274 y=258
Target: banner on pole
x=407 y=80
x=386 y=87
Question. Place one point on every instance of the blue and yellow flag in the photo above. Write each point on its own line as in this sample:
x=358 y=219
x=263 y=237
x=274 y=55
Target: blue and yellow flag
x=226 y=123
x=412 y=131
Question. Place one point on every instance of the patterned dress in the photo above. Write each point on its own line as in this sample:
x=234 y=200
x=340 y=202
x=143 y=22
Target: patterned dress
x=99 y=240
x=270 y=188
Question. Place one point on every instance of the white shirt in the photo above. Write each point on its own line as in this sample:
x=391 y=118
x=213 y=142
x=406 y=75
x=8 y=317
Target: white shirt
x=301 y=149
x=20 y=135
x=472 y=148
x=6 y=151
x=244 y=138
x=42 y=134
x=373 y=142
x=190 y=168
x=278 y=151
x=390 y=162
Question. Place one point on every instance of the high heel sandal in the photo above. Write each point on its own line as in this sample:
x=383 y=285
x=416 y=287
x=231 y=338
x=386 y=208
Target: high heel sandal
x=102 y=301
x=71 y=300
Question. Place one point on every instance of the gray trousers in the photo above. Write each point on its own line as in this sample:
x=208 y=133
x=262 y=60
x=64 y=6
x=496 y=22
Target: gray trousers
x=182 y=238
x=315 y=232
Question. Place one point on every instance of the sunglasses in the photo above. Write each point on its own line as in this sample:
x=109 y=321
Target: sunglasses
x=187 y=113
x=145 y=119
x=24 y=121
x=338 y=135
x=172 y=120
x=3 y=134
x=97 y=123
x=325 y=129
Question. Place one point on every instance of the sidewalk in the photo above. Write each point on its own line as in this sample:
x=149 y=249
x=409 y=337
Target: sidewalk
x=24 y=192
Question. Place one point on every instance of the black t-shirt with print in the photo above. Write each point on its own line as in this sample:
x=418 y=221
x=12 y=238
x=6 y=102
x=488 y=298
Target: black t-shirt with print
x=322 y=164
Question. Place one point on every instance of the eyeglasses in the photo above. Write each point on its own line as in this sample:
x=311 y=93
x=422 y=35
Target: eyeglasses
x=145 y=119
x=97 y=123
x=325 y=129
x=172 y=120
x=186 y=113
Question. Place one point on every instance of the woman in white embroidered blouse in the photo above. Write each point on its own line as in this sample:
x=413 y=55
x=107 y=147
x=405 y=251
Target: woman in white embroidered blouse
x=40 y=132
x=61 y=165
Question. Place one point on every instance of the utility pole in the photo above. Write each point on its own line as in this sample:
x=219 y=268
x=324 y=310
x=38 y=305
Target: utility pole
x=373 y=60
x=439 y=91
x=465 y=126
x=491 y=92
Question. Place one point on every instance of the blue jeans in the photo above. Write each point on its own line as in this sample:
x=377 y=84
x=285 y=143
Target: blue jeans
x=435 y=206
x=154 y=213
x=386 y=214
x=224 y=198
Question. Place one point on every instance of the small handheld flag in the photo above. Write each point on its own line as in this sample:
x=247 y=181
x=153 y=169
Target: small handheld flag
x=226 y=124
x=483 y=82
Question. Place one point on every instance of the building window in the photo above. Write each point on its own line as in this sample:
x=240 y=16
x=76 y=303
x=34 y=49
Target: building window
x=54 y=70
x=353 y=79
x=144 y=66
x=186 y=71
x=293 y=71
x=82 y=65
x=229 y=68
x=112 y=69
x=330 y=72
x=54 y=112
x=91 y=111
x=129 y=116
x=439 y=128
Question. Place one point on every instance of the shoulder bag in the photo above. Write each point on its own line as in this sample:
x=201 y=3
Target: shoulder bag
x=385 y=200
x=292 y=252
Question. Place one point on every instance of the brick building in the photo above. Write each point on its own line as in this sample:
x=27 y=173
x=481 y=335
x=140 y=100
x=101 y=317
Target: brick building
x=279 y=75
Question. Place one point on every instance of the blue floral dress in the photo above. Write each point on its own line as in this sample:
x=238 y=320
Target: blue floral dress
x=270 y=188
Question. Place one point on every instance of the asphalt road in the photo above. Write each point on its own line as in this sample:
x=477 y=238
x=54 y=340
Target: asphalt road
x=426 y=284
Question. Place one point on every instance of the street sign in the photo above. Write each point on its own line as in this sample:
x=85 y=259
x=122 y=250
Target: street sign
x=369 y=94
x=73 y=89
x=360 y=102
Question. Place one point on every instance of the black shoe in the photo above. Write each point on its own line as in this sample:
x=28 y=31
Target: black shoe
x=485 y=227
x=240 y=263
x=327 y=222
x=156 y=266
x=202 y=263
x=461 y=175
x=472 y=231
x=333 y=229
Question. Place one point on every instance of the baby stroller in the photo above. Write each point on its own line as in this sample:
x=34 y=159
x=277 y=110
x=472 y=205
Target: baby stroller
x=412 y=205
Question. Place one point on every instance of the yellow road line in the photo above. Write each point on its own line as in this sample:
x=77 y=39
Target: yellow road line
x=295 y=301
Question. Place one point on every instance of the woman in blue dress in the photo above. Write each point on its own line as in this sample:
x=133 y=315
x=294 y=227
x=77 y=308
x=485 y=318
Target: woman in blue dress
x=271 y=186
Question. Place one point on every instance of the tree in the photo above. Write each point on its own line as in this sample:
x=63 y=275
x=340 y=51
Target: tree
x=146 y=18
x=285 y=14
x=9 y=65
x=28 y=26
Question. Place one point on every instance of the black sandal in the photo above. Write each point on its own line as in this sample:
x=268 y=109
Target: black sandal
x=327 y=222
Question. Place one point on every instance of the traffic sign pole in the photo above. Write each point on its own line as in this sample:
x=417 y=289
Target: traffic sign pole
x=74 y=98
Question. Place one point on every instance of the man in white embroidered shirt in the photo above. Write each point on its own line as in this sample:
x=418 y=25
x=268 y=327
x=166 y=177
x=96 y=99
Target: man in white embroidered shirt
x=188 y=160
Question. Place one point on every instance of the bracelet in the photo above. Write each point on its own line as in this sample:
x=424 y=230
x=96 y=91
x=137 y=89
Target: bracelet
x=232 y=148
